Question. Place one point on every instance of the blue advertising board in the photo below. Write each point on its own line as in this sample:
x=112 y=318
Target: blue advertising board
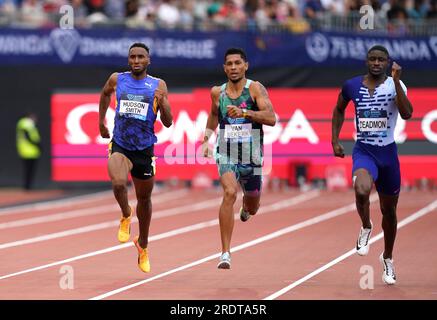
x=109 y=47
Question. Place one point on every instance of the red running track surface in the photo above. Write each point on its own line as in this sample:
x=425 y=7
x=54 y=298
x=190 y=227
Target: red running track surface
x=289 y=244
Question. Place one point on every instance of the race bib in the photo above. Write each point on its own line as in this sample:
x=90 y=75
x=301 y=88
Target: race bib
x=134 y=109
x=372 y=122
x=238 y=132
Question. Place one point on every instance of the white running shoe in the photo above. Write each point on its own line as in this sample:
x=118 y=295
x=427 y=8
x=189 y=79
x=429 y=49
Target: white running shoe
x=244 y=215
x=363 y=240
x=389 y=275
x=225 y=261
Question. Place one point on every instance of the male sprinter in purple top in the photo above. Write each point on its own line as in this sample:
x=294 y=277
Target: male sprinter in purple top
x=378 y=100
x=139 y=96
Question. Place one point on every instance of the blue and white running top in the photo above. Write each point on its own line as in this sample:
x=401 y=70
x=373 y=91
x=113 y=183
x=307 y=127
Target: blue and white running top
x=136 y=110
x=376 y=115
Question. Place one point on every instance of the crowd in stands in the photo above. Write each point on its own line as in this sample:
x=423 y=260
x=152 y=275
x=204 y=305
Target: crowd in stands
x=295 y=15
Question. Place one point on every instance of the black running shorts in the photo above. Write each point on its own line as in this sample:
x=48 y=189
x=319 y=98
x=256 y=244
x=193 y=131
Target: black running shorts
x=143 y=160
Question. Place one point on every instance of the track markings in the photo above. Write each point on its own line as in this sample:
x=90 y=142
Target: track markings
x=268 y=208
x=418 y=214
x=309 y=222
x=95 y=210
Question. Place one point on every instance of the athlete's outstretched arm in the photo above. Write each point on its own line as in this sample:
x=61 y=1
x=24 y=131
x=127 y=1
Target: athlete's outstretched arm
x=161 y=94
x=337 y=123
x=265 y=115
x=105 y=100
x=404 y=106
x=212 y=121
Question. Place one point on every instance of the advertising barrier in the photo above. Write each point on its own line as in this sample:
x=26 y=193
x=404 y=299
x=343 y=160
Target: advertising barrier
x=100 y=47
x=299 y=142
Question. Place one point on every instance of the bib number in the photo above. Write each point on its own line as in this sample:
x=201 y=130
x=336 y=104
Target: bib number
x=134 y=109
x=238 y=132
x=373 y=123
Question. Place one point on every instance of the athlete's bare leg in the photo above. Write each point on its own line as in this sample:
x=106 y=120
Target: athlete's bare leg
x=388 y=206
x=143 y=191
x=119 y=167
x=226 y=213
x=251 y=204
x=363 y=186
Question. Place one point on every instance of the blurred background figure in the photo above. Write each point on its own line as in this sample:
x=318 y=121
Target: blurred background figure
x=28 y=147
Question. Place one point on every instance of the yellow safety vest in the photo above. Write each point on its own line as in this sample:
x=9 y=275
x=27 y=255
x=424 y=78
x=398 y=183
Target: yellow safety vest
x=28 y=149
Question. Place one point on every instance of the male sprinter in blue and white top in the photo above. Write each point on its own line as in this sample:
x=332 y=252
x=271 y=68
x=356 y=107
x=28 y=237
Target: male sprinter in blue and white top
x=378 y=100
x=138 y=99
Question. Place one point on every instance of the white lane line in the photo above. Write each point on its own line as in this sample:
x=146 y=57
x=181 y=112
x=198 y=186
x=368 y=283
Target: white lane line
x=95 y=210
x=114 y=248
x=270 y=236
x=110 y=224
x=59 y=203
x=418 y=214
x=54 y=203
x=280 y=205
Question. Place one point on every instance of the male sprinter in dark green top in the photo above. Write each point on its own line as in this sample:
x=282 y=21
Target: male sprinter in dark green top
x=240 y=107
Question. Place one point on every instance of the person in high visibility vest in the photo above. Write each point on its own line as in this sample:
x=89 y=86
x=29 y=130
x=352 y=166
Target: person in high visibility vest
x=28 y=147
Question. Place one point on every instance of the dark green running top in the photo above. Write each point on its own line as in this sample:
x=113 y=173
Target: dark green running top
x=240 y=140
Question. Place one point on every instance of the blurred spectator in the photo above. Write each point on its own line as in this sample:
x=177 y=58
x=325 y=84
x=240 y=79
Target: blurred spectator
x=140 y=14
x=278 y=10
x=295 y=22
x=294 y=15
x=250 y=7
x=387 y=5
x=230 y=15
x=432 y=13
x=168 y=15
x=115 y=9
x=262 y=17
x=354 y=5
x=418 y=11
x=132 y=14
x=28 y=147
x=398 y=19
x=213 y=8
x=337 y=7
x=32 y=13
x=80 y=13
x=8 y=9
x=186 y=9
x=52 y=7
x=313 y=8
x=376 y=5
x=96 y=10
x=200 y=9
x=131 y=8
x=95 y=6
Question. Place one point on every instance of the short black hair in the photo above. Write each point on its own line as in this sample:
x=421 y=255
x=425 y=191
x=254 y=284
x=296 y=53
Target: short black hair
x=139 y=45
x=379 y=48
x=236 y=51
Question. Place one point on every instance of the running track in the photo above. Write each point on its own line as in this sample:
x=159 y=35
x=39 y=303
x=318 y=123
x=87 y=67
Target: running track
x=299 y=246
